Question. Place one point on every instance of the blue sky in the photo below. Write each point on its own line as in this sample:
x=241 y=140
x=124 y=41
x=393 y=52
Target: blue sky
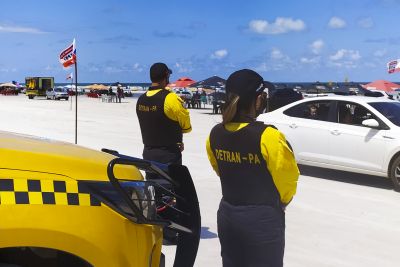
x=117 y=40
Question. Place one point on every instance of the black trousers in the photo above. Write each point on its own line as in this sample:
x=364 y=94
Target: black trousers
x=251 y=236
x=167 y=155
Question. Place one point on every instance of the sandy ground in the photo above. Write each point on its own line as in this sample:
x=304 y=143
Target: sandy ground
x=336 y=218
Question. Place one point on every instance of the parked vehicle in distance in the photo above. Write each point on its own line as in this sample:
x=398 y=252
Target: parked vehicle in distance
x=351 y=133
x=184 y=94
x=66 y=205
x=57 y=93
x=281 y=97
x=37 y=86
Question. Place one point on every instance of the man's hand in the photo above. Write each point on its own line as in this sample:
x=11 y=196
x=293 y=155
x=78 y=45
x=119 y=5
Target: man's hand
x=181 y=146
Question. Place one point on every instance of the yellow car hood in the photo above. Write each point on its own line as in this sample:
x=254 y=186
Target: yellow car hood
x=40 y=155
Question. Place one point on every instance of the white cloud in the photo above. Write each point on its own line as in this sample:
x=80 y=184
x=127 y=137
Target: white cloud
x=343 y=54
x=184 y=67
x=380 y=53
x=366 y=23
x=336 y=23
x=8 y=69
x=263 y=67
x=137 y=67
x=280 y=25
x=219 y=54
x=18 y=29
x=312 y=60
x=345 y=58
x=277 y=54
x=93 y=68
x=317 y=46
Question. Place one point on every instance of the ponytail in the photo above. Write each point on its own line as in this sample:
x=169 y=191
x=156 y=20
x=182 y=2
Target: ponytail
x=230 y=108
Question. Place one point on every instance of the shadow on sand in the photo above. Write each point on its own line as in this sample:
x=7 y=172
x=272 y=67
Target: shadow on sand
x=347 y=177
x=206 y=234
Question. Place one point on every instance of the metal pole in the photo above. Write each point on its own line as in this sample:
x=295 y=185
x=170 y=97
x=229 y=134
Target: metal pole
x=70 y=106
x=76 y=102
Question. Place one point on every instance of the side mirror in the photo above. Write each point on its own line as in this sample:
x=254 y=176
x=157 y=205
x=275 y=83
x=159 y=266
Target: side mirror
x=372 y=123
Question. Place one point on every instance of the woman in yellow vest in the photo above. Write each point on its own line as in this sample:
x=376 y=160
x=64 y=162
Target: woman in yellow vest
x=258 y=174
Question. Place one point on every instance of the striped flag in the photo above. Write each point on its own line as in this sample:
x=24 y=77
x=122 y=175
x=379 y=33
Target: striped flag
x=393 y=66
x=68 y=55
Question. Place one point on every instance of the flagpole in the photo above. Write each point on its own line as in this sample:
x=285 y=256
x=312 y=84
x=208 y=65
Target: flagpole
x=72 y=81
x=76 y=101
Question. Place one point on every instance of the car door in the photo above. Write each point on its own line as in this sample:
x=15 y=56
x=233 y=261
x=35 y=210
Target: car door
x=354 y=145
x=307 y=128
x=51 y=92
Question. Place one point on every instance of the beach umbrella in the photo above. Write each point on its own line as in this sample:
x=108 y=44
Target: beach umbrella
x=382 y=85
x=182 y=82
x=212 y=82
x=97 y=87
x=8 y=85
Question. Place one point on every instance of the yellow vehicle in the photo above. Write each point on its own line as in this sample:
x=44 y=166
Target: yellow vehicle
x=37 y=86
x=65 y=205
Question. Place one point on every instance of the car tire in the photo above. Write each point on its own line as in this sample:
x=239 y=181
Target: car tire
x=54 y=97
x=394 y=173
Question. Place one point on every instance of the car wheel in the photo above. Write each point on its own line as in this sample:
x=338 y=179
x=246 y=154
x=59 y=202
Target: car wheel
x=54 y=97
x=395 y=173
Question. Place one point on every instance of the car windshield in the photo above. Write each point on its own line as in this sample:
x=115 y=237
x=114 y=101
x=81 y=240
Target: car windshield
x=58 y=90
x=390 y=110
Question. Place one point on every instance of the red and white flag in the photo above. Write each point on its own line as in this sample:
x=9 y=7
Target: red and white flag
x=70 y=76
x=393 y=66
x=68 y=55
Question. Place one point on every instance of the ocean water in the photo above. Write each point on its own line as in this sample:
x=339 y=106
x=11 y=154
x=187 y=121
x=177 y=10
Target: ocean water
x=144 y=85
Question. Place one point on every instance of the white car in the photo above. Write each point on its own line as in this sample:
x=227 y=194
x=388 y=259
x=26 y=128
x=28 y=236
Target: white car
x=351 y=133
x=57 y=93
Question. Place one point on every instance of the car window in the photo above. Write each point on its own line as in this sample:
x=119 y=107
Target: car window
x=390 y=110
x=313 y=110
x=353 y=114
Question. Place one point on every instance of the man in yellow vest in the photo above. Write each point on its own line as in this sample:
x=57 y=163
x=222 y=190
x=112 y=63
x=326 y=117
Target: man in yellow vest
x=162 y=118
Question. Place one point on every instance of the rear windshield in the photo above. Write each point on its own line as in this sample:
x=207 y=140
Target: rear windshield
x=390 y=110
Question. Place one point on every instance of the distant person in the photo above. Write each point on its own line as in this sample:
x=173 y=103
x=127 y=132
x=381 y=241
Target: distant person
x=110 y=91
x=203 y=98
x=313 y=113
x=345 y=115
x=258 y=174
x=120 y=93
x=196 y=100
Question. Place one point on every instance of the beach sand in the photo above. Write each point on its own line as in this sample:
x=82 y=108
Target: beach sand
x=336 y=218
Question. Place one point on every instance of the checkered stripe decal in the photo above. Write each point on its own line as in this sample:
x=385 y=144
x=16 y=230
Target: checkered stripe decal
x=44 y=192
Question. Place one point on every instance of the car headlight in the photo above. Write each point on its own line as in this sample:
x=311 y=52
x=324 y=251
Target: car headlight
x=136 y=202
x=157 y=202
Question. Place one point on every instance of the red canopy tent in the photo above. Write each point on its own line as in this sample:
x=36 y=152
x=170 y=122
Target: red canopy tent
x=382 y=85
x=182 y=82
